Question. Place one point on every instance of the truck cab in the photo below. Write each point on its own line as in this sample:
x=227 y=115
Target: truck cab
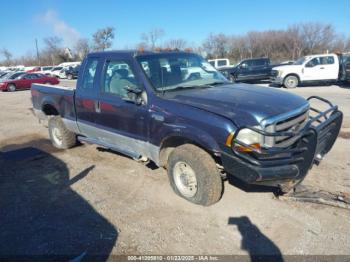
x=315 y=68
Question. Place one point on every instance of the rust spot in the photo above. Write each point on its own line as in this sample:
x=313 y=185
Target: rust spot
x=344 y=134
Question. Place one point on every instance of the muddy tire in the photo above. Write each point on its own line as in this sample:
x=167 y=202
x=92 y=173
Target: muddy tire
x=60 y=136
x=193 y=175
x=291 y=81
x=11 y=88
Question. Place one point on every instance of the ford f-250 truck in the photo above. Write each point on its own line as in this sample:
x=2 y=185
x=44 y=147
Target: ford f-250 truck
x=175 y=109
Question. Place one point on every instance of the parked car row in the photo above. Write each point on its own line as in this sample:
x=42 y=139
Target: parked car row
x=313 y=68
x=67 y=70
x=12 y=81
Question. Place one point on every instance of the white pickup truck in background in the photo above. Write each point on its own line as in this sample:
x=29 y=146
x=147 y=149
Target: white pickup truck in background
x=220 y=62
x=313 y=68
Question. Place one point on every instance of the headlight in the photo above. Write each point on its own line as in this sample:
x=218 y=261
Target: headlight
x=279 y=73
x=252 y=139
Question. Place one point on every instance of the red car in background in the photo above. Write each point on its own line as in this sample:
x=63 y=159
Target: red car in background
x=25 y=80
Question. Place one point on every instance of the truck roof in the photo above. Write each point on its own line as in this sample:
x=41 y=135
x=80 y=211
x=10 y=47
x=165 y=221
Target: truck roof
x=136 y=52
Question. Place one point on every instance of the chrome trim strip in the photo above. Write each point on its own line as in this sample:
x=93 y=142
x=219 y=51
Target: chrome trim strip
x=291 y=123
x=124 y=143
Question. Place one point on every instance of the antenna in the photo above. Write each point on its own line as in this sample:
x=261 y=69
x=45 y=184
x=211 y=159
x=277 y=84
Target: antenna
x=37 y=51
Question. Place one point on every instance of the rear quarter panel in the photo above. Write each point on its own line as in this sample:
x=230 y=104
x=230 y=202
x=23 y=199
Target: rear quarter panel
x=61 y=98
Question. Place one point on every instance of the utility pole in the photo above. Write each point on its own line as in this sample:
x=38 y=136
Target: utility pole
x=37 y=51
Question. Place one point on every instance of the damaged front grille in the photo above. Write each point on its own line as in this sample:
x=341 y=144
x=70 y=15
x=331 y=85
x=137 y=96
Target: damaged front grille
x=292 y=123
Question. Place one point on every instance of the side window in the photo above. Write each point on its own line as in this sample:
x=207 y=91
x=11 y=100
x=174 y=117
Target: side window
x=259 y=62
x=313 y=62
x=247 y=64
x=89 y=74
x=146 y=68
x=117 y=76
x=222 y=63
x=328 y=60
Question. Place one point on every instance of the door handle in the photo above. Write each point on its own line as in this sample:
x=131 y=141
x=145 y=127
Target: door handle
x=97 y=107
x=321 y=67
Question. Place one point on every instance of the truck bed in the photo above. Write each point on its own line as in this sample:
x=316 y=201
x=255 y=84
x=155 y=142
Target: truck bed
x=53 y=97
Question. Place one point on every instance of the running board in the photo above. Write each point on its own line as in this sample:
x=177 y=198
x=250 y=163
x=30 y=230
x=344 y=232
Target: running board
x=113 y=148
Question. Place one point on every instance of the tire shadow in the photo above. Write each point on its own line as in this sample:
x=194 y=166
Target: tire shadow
x=259 y=246
x=42 y=215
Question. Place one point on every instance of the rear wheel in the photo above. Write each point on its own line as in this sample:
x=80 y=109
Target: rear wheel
x=11 y=87
x=193 y=175
x=60 y=136
x=291 y=81
x=69 y=77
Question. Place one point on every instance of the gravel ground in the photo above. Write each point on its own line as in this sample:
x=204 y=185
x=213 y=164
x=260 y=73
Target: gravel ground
x=90 y=200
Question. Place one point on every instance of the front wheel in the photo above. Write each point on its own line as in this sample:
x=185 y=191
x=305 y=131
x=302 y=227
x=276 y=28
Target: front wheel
x=291 y=81
x=60 y=136
x=11 y=88
x=194 y=176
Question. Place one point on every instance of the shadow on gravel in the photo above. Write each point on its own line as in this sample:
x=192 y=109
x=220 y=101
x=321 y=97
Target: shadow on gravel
x=251 y=188
x=41 y=214
x=259 y=246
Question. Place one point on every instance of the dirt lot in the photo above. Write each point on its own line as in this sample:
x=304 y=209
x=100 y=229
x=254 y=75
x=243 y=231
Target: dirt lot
x=98 y=202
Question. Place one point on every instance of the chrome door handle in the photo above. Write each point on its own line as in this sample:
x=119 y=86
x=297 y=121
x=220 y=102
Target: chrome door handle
x=321 y=67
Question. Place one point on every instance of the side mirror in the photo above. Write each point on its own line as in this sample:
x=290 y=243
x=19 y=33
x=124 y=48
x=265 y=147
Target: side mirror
x=133 y=95
x=244 y=66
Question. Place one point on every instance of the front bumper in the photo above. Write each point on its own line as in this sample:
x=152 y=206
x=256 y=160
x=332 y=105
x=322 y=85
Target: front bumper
x=276 y=80
x=279 y=166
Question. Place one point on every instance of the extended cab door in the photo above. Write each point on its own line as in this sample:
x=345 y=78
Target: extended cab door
x=122 y=122
x=86 y=102
x=321 y=68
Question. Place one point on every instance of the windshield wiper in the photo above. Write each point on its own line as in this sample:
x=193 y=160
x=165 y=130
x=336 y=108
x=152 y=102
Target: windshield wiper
x=188 y=87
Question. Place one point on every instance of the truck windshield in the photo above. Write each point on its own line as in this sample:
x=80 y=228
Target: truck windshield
x=300 y=61
x=175 y=71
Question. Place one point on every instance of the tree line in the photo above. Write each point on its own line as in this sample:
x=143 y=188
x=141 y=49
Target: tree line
x=289 y=44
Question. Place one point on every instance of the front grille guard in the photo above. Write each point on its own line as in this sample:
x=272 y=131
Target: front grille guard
x=327 y=115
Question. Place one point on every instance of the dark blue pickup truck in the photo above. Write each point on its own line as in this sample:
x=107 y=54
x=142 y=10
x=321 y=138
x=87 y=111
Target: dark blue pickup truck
x=175 y=109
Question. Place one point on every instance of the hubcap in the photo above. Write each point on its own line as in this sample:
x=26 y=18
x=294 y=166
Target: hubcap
x=185 y=179
x=291 y=81
x=57 y=136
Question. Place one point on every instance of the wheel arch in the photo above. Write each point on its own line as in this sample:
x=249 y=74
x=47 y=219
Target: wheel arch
x=172 y=141
x=292 y=74
x=49 y=109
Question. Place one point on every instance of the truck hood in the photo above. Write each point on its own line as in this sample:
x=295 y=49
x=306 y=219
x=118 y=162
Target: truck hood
x=243 y=104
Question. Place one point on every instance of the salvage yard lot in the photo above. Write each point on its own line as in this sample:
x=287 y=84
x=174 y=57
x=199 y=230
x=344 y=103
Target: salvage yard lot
x=91 y=200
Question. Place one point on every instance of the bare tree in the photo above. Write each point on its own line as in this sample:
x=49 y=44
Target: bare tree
x=7 y=55
x=317 y=37
x=179 y=44
x=152 y=37
x=103 y=38
x=82 y=48
x=216 y=45
x=54 y=51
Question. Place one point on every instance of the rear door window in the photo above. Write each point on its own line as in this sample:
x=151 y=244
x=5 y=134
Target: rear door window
x=222 y=63
x=327 y=60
